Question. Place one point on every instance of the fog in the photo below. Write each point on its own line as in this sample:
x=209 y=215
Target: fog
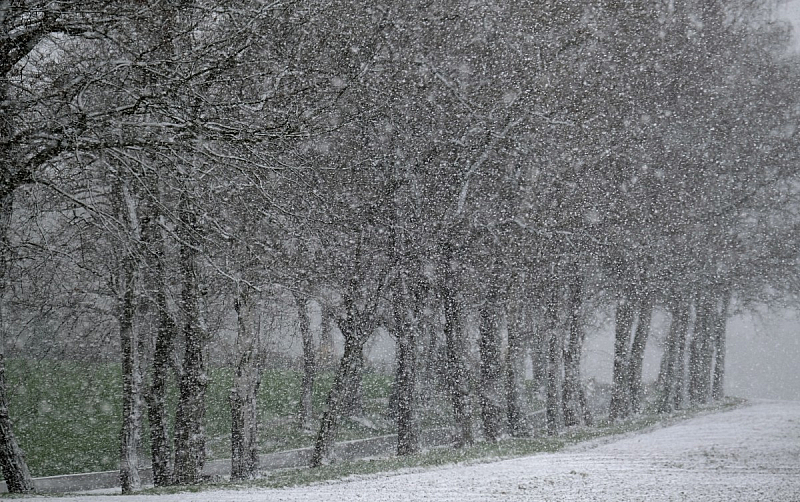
x=762 y=354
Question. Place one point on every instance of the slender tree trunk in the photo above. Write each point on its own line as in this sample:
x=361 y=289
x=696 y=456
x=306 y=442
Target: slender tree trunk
x=517 y=425
x=574 y=410
x=718 y=381
x=189 y=428
x=246 y=382
x=670 y=364
x=406 y=323
x=131 y=384
x=636 y=358
x=12 y=459
x=457 y=377
x=619 y=390
x=491 y=390
x=326 y=348
x=680 y=360
x=305 y=411
x=701 y=352
x=554 y=417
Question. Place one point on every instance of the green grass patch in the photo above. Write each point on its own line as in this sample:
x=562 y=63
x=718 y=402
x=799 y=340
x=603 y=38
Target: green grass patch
x=67 y=415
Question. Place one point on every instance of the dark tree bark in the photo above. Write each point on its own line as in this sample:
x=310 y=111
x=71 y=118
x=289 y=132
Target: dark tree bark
x=457 y=376
x=189 y=428
x=356 y=327
x=517 y=425
x=154 y=275
x=406 y=320
x=354 y=398
x=636 y=358
x=327 y=353
x=12 y=459
x=718 y=380
x=130 y=434
x=671 y=364
x=131 y=385
x=701 y=352
x=305 y=410
x=554 y=416
x=574 y=400
x=355 y=334
x=243 y=396
x=681 y=370
x=491 y=387
x=619 y=391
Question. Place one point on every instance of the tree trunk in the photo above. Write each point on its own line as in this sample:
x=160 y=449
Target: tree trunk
x=517 y=425
x=554 y=417
x=670 y=364
x=166 y=332
x=491 y=389
x=305 y=410
x=131 y=384
x=406 y=321
x=12 y=459
x=619 y=391
x=189 y=428
x=130 y=435
x=352 y=362
x=326 y=348
x=457 y=377
x=354 y=399
x=574 y=409
x=718 y=381
x=701 y=352
x=636 y=358
x=680 y=359
x=243 y=395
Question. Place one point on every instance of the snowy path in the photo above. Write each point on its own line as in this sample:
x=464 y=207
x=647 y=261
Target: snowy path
x=748 y=454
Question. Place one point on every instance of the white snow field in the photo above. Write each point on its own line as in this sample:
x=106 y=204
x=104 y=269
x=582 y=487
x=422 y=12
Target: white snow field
x=747 y=454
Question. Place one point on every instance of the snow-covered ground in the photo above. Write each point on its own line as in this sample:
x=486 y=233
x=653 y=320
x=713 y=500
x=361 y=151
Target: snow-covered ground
x=748 y=454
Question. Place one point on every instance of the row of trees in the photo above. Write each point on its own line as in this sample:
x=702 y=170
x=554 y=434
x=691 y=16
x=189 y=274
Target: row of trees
x=170 y=168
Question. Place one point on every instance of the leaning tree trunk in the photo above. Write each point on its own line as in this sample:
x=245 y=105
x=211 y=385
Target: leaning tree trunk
x=12 y=459
x=574 y=400
x=491 y=386
x=305 y=410
x=355 y=336
x=189 y=429
x=619 y=385
x=636 y=358
x=456 y=368
x=246 y=382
